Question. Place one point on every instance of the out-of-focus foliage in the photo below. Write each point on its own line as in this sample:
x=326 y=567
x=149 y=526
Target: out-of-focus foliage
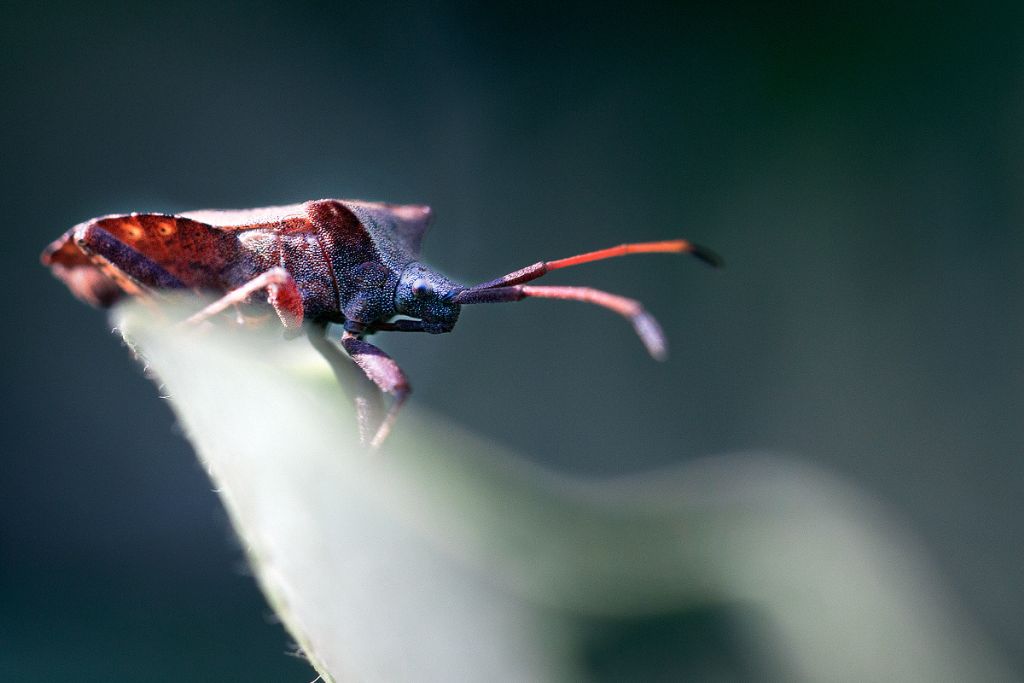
x=443 y=557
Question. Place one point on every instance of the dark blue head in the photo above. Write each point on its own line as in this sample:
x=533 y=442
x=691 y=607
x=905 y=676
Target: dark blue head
x=425 y=294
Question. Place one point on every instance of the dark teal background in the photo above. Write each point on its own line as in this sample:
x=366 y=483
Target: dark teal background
x=860 y=166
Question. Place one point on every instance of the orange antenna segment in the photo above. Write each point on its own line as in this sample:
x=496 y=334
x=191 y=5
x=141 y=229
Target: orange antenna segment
x=666 y=247
x=538 y=269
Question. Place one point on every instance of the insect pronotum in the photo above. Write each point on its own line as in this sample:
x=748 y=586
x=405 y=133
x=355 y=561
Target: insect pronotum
x=325 y=261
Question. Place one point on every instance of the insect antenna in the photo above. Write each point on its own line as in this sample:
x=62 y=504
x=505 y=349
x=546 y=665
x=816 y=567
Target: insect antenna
x=511 y=288
x=647 y=328
x=532 y=272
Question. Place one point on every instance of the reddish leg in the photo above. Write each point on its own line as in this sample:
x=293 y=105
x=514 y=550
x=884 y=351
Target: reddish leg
x=282 y=293
x=541 y=267
x=643 y=322
x=385 y=373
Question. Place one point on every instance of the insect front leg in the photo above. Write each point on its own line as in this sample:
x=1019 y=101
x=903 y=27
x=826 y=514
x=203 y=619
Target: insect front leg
x=282 y=293
x=399 y=326
x=368 y=399
x=384 y=372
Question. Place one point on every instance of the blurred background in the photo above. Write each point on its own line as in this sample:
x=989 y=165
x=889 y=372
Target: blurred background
x=858 y=165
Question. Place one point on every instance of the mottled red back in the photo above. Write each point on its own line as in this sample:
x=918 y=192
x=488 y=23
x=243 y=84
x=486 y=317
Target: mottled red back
x=194 y=252
x=204 y=249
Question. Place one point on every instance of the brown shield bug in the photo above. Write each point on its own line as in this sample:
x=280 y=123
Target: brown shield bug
x=349 y=262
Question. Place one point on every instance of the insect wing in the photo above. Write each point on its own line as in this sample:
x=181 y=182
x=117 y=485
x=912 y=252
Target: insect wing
x=402 y=225
x=195 y=253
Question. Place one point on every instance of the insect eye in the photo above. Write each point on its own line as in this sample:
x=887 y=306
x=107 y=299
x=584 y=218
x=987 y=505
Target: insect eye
x=421 y=288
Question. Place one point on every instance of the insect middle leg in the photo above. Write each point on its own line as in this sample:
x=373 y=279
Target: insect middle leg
x=282 y=293
x=384 y=372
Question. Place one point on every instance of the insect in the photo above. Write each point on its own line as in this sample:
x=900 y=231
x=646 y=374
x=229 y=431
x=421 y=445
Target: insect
x=325 y=261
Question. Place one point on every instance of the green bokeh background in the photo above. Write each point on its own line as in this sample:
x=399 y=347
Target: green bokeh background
x=858 y=164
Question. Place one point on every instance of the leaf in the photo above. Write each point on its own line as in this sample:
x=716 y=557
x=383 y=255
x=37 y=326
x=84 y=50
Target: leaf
x=445 y=557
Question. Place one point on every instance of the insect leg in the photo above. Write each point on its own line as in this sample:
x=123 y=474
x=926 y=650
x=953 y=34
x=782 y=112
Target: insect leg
x=399 y=326
x=532 y=272
x=647 y=328
x=282 y=293
x=132 y=271
x=385 y=373
x=368 y=399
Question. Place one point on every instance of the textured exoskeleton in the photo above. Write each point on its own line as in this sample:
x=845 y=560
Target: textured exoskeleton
x=349 y=262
